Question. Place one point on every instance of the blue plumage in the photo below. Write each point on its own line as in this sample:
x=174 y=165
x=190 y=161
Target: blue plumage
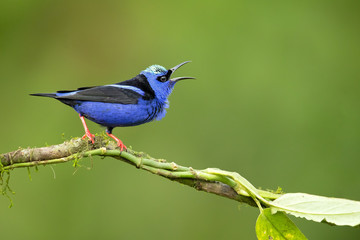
x=128 y=103
x=121 y=115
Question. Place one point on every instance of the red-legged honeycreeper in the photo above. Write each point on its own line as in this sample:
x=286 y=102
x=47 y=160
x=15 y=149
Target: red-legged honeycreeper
x=128 y=103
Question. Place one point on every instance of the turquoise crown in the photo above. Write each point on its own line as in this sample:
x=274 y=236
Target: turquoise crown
x=156 y=69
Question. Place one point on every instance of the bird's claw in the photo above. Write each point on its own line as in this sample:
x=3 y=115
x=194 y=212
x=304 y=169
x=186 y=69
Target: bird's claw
x=119 y=143
x=89 y=136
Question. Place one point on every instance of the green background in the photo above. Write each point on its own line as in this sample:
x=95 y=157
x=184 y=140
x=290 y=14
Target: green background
x=276 y=99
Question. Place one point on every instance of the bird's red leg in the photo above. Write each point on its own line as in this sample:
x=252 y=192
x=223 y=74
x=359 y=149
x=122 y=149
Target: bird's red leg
x=118 y=141
x=87 y=132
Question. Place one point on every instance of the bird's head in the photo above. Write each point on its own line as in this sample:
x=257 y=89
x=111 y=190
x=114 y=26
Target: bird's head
x=160 y=79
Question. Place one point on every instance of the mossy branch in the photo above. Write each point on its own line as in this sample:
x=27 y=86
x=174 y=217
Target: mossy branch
x=77 y=148
x=271 y=223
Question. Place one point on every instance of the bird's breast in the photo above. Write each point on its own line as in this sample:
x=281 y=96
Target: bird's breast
x=157 y=109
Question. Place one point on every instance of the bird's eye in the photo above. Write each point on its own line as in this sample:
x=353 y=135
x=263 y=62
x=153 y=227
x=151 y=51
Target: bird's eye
x=162 y=79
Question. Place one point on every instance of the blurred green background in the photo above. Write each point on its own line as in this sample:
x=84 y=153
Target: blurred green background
x=276 y=99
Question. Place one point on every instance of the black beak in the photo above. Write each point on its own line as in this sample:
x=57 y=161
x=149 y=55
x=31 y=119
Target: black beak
x=172 y=70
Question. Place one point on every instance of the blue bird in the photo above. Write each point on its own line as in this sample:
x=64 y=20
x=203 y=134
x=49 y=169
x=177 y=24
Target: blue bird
x=128 y=103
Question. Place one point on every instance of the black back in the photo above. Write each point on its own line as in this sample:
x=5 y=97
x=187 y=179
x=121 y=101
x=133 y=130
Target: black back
x=142 y=83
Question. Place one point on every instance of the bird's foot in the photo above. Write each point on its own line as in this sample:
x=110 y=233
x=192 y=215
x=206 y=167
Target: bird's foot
x=89 y=136
x=87 y=132
x=118 y=141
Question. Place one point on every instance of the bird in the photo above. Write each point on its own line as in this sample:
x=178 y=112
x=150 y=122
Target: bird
x=132 y=102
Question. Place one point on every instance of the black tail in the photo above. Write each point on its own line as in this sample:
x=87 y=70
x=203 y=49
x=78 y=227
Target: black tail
x=52 y=95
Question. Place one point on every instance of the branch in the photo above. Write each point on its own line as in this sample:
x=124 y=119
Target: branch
x=272 y=221
x=76 y=149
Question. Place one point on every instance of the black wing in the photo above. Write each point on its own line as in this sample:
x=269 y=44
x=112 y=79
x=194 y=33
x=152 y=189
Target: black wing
x=141 y=83
x=108 y=94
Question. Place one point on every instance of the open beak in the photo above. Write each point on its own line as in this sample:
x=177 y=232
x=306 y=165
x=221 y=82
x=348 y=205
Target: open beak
x=172 y=70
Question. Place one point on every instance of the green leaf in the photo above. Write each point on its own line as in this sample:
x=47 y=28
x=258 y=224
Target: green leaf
x=336 y=211
x=276 y=227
